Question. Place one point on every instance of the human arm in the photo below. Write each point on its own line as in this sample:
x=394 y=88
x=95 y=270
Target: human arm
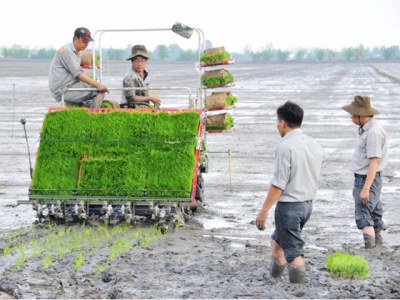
x=373 y=167
x=152 y=98
x=272 y=196
x=86 y=79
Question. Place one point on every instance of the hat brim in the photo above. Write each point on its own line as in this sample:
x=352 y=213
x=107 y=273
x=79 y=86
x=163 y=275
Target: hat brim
x=138 y=54
x=360 y=111
x=87 y=38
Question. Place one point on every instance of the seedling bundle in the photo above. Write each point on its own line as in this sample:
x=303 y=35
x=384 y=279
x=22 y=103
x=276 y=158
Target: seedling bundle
x=216 y=78
x=347 y=265
x=116 y=153
x=220 y=100
x=215 y=56
x=87 y=60
x=219 y=122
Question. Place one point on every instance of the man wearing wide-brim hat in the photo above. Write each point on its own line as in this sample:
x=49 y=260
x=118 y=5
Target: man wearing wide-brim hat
x=368 y=162
x=136 y=77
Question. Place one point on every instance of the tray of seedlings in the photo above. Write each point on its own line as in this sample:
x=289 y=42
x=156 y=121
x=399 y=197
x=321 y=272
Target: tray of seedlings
x=217 y=78
x=220 y=101
x=219 y=123
x=216 y=56
x=117 y=162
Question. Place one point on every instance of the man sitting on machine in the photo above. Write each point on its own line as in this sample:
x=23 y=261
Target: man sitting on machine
x=136 y=77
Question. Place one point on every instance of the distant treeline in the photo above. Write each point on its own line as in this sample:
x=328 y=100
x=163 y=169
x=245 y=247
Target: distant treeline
x=268 y=53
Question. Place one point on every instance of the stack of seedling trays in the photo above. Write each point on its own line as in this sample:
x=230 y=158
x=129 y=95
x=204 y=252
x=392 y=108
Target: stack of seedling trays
x=218 y=101
x=216 y=56
x=109 y=154
x=87 y=60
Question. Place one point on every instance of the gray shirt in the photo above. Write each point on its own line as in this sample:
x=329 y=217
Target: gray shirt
x=66 y=65
x=297 y=169
x=133 y=79
x=371 y=143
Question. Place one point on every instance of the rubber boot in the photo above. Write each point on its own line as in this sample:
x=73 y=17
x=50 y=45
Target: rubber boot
x=297 y=274
x=369 y=241
x=378 y=237
x=275 y=268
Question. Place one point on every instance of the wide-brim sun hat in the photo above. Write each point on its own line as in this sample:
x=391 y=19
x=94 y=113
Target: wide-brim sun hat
x=361 y=106
x=138 y=50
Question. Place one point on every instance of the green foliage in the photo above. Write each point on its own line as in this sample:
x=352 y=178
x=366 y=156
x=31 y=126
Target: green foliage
x=119 y=153
x=282 y=55
x=230 y=100
x=228 y=124
x=320 y=54
x=100 y=268
x=162 y=51
x=6 y=250
x=16 y=51
x=188 y=55
x=115 y=53
x=46 y=261
x=215 y=58
x=79 y=260
x=215 y=81
x=347 y=265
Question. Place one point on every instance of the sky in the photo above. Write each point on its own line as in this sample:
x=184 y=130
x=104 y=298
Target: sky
x=284 y=24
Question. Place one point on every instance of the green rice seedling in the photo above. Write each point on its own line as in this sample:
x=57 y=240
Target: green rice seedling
x=61 y=232
x=100 y=268
x=6 y=250
x=15 y=248
x=215 y=57
x=116 y=229
x=20 y=260
x=79 y=260
x=87 y=231
x=229 y=121
x=347 y=265
x=46 y=261
x=105 y=222
x=178 y=222
x=60 y=251
x=94 y=238
x=68 y=231
x=230 y=100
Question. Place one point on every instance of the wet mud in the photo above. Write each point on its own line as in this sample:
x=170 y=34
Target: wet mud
x=218 y=252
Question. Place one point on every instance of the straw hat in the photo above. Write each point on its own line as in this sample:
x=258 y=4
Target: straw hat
x=138 y=50
x=361 y=106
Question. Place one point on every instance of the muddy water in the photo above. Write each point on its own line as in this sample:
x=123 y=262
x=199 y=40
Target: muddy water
x=218 y=253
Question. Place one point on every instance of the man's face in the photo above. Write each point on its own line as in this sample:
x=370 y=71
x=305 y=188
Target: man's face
x=355 y=119
x=279 y=125
x=139 y=63
x=80 y=44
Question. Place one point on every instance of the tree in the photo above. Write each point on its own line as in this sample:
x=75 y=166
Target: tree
x=282 y=55
x=359 y=52
x=330 y=54
x=162 y=51
x=173 y=51
x=348 y=53
x=188 y=55
x=388 y=53
x=300 y=54
x=208 y=44
x=115 y=53
x=320 y=54
x=16 y=51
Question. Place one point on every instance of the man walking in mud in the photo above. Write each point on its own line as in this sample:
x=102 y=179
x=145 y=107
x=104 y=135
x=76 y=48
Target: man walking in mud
x=369 y=160
x=297 y=169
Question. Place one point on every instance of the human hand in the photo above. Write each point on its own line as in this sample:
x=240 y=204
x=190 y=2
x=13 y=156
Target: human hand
x=364 y=196
x=155 y=99
x=261 y=219
x=102 y=89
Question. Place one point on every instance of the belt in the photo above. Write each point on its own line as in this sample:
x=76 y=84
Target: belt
x=365 y=176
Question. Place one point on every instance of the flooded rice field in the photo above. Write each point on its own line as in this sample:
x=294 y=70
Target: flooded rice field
x=218 y=253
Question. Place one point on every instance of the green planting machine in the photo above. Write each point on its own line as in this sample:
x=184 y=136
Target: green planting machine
x=120 y=163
